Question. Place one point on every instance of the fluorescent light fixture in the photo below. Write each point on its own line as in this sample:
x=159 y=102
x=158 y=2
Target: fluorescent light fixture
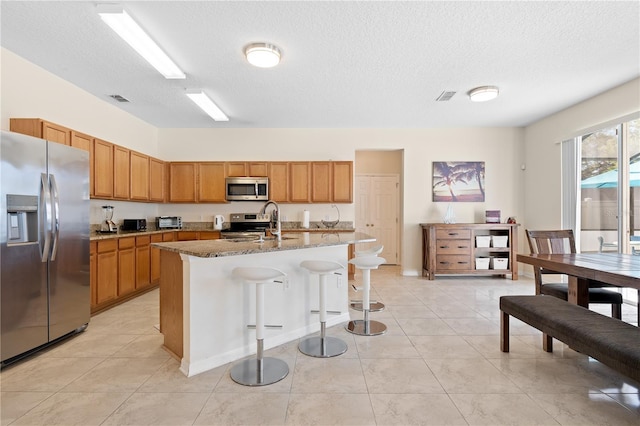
x=207 y=105
x=120 y=22
x=483 y=93
x=263 y=55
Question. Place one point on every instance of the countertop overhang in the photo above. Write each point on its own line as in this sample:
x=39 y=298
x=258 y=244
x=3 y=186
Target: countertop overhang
x=220 y=248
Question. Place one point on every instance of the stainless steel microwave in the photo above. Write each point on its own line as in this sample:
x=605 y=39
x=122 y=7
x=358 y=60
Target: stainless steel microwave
x=247 y=188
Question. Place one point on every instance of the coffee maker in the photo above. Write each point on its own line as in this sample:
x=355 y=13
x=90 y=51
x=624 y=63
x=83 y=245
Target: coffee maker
x=108 y=225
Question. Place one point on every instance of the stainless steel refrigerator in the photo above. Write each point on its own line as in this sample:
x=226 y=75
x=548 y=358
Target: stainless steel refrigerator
x=44 y=243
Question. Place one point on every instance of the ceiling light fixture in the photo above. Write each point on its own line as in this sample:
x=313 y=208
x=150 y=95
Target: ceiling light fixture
x=483 y=93
x=207 y=105
x=263 y=55
x=120 y=22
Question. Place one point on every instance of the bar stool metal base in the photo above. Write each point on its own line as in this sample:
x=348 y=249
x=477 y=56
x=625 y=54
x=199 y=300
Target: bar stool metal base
x=248 y=372
x=374 y=307
x=366 y=327
x=322 y=347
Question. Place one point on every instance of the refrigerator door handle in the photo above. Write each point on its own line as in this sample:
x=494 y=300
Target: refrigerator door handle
x=55 y=207
x=45 y=218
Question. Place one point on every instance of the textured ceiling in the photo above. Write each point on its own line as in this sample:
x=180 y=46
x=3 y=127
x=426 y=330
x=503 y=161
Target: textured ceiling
x=345 y=64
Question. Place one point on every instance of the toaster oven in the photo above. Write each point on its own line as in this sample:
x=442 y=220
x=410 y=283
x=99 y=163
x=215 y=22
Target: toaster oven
x=168 y=222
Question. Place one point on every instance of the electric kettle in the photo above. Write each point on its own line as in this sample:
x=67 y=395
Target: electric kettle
x=218 y=220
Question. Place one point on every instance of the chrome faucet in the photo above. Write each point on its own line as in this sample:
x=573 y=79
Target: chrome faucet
x=278 y=231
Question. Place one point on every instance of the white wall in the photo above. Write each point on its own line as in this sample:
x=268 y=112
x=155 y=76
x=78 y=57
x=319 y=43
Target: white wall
x=499 y=148
x=29 y=91
x=542 y=183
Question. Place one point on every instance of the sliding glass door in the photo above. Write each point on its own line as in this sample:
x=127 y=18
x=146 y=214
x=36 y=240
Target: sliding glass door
x=609 y=189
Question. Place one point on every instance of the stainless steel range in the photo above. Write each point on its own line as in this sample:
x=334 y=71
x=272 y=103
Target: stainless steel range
x=247 y=226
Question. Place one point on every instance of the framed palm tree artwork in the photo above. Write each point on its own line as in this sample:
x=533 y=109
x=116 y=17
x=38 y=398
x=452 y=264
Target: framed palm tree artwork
x=458 y=181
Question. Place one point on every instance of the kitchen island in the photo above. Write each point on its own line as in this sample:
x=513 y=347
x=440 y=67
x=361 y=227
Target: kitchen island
x=204 y=311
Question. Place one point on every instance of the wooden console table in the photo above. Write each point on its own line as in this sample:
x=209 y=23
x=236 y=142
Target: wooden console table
x=465 y=248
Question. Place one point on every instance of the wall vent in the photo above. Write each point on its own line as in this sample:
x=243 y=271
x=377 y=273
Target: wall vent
x=119 y=98
x=445 y=96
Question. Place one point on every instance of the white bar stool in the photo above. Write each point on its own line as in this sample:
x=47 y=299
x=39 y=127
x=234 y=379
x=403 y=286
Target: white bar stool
x=323 y=346
x=366 y=327
x=259 y=371
x=374 y=306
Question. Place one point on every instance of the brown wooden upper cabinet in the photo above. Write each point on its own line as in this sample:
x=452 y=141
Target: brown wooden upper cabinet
x=342 y=175
x=121 y=172
x=139 y=176
x=279 y=181
x=321 y=182
x=41 y=129
x=299 y=181
x=244 y=168
x=182 y=182
x=81 y=141
x=211 y=182
x=102 y=169
x=197 y=182
x=156 y=180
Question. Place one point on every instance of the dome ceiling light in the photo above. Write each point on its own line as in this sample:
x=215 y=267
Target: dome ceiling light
x=263 y=55
x=483 y=93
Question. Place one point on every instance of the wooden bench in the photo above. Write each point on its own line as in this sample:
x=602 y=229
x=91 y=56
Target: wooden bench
x=613 y=342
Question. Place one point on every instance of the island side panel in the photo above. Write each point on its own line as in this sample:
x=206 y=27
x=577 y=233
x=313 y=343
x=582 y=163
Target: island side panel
x=218 y=307
x=171 y=302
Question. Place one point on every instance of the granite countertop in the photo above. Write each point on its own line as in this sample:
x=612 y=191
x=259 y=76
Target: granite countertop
x=94 y=235
x=220 y=248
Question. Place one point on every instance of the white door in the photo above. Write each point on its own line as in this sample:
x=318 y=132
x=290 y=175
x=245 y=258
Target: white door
x=377 y=212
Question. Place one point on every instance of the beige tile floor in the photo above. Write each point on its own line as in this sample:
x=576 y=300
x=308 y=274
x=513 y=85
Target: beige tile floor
x=439 y=363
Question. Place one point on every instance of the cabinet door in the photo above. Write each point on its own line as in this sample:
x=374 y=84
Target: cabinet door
x=126 y=266
x=342 y=174
x=143 y=262
x=93 y=273
x=211 y=182
x=85 y=142
x=237 y=168
x=121 y=172
x=321 y=182
x=182 y=182
x=106 y=271
x=299 y=182
x=102 y=169
x=55 y=133
x=81 y=141
x=257 y=169
x=139 y=176
x=279 y=181
x=156 y=180
x=155 y=258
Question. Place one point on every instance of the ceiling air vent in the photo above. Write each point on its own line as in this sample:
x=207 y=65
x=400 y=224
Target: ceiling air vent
x=445 y=96
x=119 y=98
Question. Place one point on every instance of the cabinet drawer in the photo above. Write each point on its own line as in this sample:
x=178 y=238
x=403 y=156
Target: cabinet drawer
x=107 y=245
x=463 y=234
x=124 y=243
x=143 y=241
x=453 y=262
x=453 y=247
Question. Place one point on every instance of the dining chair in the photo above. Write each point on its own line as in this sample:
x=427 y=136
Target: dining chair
x=562 y=242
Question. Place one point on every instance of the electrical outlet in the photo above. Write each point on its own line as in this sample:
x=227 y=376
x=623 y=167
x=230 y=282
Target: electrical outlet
x=284 y=217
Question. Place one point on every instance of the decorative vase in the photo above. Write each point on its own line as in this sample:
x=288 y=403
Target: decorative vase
x=450 y=217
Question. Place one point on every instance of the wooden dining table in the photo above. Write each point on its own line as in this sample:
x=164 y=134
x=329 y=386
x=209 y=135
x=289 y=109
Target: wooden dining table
x=615 y=269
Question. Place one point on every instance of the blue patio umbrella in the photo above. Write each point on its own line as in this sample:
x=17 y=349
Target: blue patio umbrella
x=610 y=179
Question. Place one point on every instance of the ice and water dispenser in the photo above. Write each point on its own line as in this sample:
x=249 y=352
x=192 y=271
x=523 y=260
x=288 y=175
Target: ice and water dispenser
x=22 y=219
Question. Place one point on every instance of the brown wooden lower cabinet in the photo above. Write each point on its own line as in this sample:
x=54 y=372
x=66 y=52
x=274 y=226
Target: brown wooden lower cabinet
x=124 y=267
x=106 y=266
x=143 y=262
